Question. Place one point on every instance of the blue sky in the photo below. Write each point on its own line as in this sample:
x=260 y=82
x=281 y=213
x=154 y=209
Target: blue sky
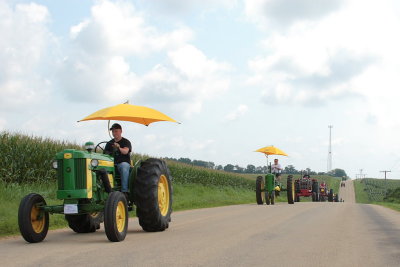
x=237 y=74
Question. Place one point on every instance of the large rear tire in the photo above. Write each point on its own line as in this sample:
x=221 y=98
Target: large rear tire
x=290 y=190
x=259 y=190
x=116 y=217
x=33 y=222
x=85 y=223
x=153 y=195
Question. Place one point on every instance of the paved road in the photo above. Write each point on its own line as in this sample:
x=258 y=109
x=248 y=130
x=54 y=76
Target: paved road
x=303 y=234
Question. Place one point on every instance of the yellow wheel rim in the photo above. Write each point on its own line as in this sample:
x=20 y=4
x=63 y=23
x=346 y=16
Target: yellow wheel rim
x=37 y=224
x=163 y=195
x=120 y=216
x=293 y=191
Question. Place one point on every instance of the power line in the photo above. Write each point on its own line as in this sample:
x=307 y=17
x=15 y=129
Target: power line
x=360 y=175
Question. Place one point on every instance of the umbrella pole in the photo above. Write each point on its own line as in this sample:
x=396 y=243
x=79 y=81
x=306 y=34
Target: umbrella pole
x=267 y=161
x=108 y=130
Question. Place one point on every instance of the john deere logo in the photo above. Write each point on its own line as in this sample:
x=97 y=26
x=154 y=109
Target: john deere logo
x=67 y=155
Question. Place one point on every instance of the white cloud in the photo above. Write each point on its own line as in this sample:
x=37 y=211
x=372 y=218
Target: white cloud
x=237 y=113
x=177 y=7
x=104 y=48
x=280 y=14
x=24 y=47
x=320 y=62
x=186 y=80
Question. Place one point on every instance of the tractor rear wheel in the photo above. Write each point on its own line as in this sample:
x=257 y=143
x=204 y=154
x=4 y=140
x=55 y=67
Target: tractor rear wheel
x=259 y=190
x=336 y=198
x=290 y=190
x=33 y=222
x=85 y=223
x=116 y=216
x=153 y=195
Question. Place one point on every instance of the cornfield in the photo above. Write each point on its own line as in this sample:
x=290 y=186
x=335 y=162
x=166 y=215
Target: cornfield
x=26 y=159
x=187 y=174
x=376 y=188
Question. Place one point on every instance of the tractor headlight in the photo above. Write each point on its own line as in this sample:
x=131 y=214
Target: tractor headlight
x=94 y=163
x=54 y=164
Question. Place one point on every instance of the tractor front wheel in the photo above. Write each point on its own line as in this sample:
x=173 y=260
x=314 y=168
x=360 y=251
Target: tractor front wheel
x=267 y=198
x=153 y=195
x=273 y=197
x=330 y=195
x=116 y=217
x=32 y=220
x=259 y=190
x=290 y=190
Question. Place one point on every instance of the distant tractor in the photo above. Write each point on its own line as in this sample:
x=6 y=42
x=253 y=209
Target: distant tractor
x=306 y=187
x=268 y=188
x=326 y=194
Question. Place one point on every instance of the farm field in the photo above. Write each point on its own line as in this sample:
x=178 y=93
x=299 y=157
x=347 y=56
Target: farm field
x=372 y=191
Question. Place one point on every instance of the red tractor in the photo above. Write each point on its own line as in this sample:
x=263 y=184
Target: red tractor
x=325 y=194
x=305 y=187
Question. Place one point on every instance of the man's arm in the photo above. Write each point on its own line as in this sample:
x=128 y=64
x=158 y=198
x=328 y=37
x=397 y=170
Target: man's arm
x=126 y=147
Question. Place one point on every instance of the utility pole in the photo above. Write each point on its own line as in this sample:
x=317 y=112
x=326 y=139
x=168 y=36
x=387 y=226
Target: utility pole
x=330 y=149
x=361 y=174
x=386 y=181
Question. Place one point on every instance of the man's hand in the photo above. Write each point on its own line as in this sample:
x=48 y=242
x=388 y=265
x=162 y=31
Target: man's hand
x=116 y=145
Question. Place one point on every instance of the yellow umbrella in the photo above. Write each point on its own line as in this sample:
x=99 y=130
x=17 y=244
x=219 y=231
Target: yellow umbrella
x=271 y=150
x=128 y=112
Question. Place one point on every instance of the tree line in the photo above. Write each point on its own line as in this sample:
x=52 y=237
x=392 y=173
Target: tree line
x=290 y=169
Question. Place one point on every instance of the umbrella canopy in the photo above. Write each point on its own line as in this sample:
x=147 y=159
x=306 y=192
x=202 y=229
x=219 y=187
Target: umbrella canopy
x=271 y=150
x=127 y=112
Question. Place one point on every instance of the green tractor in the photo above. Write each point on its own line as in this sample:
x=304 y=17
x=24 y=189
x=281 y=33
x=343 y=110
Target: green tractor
x=268 y=188
x=89 y=186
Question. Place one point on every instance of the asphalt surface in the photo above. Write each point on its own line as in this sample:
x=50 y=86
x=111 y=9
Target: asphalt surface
x=303 y=234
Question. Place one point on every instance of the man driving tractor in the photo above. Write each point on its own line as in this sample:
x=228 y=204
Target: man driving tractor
x=276 y=169
x=120 y=148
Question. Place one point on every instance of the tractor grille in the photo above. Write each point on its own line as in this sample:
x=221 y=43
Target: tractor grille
x=79 y=173
x=60 y=175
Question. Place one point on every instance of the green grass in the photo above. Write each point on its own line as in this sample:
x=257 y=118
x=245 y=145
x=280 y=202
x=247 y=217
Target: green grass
x=361 y=194
x=368 y=190
x=390 y=205
x=195 y=196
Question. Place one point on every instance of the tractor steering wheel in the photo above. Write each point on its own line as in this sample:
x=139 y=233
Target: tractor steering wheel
x=100 y=146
